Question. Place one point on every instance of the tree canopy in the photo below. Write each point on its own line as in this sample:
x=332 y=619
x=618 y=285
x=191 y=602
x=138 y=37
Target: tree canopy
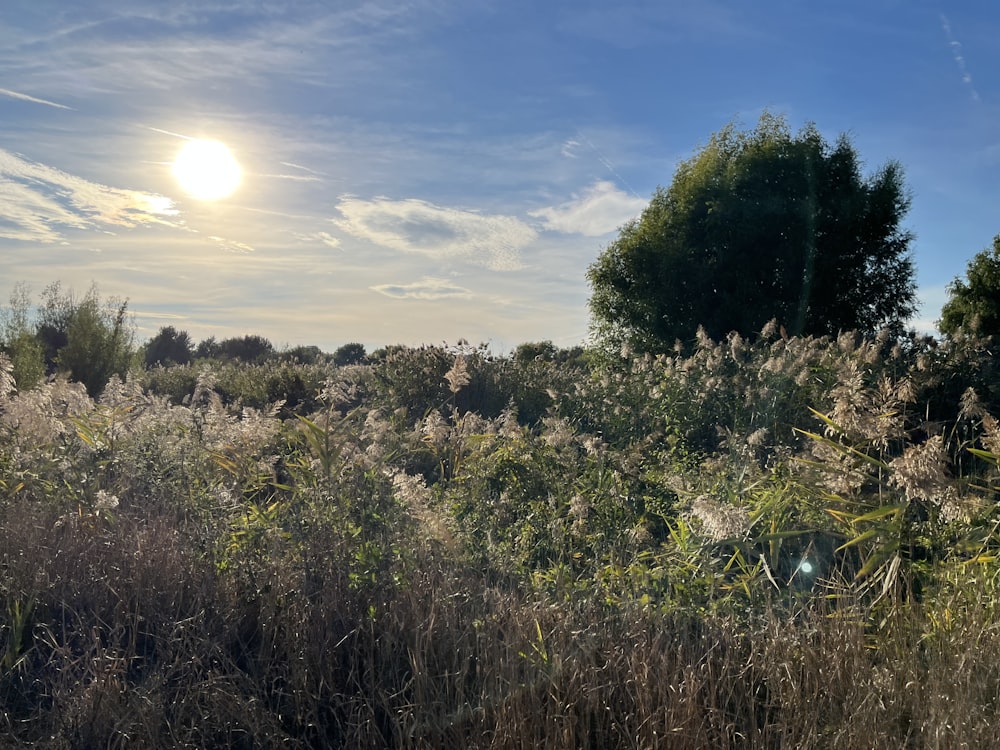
x=249 y=348
x=349 y=354
x=760 y=225
x=88 y=338
x=974 y=304
x=169 y=346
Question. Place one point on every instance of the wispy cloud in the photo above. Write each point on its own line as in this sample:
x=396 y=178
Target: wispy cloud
x=428 y=288
x=956 y=52
x=33 y=99
x=153 y=46
x=569 y=148
x=156 y=315
x=324 y=238
x=232 y=246
x=600 y=209
x=416 y=226
x=41 y=202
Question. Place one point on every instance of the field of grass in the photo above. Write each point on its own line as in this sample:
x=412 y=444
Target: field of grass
x=784 y=543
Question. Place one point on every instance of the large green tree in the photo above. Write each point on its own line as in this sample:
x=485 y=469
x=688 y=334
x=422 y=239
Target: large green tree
x=760 y=224
x=974 y=304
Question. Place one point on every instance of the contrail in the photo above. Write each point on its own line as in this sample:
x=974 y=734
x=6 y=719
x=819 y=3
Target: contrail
x=956 y=52
x=293 y=165
x=607 y=164
x=293 y=177
x=34 y=99
x=167 y=132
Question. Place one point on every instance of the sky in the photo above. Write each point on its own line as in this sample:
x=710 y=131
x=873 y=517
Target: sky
x=420 y=171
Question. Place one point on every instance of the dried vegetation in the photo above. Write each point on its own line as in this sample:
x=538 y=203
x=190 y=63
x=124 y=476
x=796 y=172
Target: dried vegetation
x=789 y=542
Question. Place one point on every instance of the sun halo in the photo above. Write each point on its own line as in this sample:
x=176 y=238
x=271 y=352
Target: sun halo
x=207 y=170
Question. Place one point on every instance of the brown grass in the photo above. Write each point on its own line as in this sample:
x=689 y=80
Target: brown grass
x=258 y=588
x=135 y=640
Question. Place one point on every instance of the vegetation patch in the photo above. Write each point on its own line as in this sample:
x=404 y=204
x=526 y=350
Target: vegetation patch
x=789 y=541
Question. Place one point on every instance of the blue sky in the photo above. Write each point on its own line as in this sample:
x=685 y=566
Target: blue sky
x=416 y=172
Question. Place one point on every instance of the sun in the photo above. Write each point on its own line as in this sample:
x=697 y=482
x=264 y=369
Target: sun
x=207 y=170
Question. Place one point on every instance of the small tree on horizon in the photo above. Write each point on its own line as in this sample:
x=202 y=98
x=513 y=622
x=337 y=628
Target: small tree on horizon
x=349 y=354
x=208 y=349
x=250 y=348
x=169 y=346
x=305 y=354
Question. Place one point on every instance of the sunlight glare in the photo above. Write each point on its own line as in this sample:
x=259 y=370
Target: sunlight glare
x=207 y=170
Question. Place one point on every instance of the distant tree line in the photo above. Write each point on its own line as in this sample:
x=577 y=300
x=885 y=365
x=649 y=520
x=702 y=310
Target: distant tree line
x=90 y=339
x=172 y=347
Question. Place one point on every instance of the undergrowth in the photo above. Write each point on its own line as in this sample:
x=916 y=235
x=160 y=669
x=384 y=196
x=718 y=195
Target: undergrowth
x=778 y=543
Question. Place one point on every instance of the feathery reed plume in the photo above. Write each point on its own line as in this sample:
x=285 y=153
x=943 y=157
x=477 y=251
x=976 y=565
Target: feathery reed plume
x=720 y=520
x=458 y=376
x=8 y=386
x=920 y=471
x=970 y=407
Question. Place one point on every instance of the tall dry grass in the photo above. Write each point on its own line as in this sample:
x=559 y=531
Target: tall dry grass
x=416 y=563
x=136 y=642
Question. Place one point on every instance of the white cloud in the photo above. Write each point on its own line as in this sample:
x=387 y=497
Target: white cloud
x=569 y=148
x=426 y=288
x=600 y=209
x=415 y=226
x=40 y=202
